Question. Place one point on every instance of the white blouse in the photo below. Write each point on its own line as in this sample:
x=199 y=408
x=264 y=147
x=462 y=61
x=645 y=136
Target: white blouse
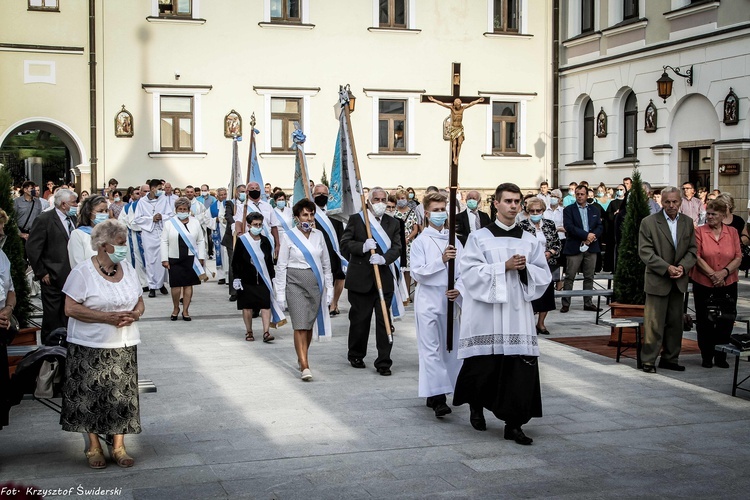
x=86 y=286
x=291 y=257
x=79 y=247
x=6 y=283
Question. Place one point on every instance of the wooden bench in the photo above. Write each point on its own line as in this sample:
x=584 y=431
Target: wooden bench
x=743 y=318
x=733 y=351
x=621 y=323
x=587 y=293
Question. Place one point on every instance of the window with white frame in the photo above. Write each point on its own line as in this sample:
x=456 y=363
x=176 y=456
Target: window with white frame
x=175 y=8
x=286 y=12
x=176 y=119
x=504 y=127
x=48 y=5
x=624 y=10
x=629 y=9
x=392 y=13
x=393 y=122
x=506 y=16
x=506 y=123
x=286 y=116
x=588 y=131
x=285 y=108
x=392 y=125
x=587 y=16
x=175 y=11
x=630 y=126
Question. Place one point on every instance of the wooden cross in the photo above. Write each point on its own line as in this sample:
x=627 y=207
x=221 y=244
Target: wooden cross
x=456 y=137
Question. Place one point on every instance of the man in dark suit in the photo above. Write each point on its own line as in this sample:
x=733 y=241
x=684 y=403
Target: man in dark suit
x=227 y=240
x=666 y=244
x=47 y=250
x=331 y=228
x=472 y=218
x=360 y=280
x=583 y=228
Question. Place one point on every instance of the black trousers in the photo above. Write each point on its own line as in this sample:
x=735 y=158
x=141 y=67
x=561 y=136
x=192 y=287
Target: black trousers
x=210 y=243
x=53 y=306
x=230 y=273
x=711 y=334
x=360 y=316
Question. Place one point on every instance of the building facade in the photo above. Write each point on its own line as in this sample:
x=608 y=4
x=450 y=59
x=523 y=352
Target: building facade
x=176 y=78
x=611 y=116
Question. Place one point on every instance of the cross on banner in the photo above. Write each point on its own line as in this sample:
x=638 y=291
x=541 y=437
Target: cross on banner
x=454 y=102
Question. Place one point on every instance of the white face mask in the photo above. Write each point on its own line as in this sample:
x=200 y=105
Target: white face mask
x=204 y=193
x=378 y=209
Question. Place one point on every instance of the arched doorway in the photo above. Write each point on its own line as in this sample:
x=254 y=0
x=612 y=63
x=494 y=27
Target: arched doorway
x=693 y=129
x=51 y=147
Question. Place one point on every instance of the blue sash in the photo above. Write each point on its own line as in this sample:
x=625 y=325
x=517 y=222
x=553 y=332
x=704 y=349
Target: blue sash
x=277 y=315
x=397 y=302
x=196 y=262
x=320 y=320
x=284 y=224
x=86 y=229
x=266 y=223
x=334 y=239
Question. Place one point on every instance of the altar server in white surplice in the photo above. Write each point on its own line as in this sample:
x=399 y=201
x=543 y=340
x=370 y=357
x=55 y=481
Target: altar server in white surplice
x=430 y=254
x=151 y=213
x=503 y=268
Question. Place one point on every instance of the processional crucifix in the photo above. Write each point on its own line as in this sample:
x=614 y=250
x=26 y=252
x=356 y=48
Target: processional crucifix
x=455 y=134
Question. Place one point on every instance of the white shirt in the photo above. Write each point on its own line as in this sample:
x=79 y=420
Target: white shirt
x=64 y=219
x=556 y=216
x=269 y=214
x=672 y=226
x=86 y=286
x=79 y=247
x=290 y=257
x=6 y=283
x=472 y=219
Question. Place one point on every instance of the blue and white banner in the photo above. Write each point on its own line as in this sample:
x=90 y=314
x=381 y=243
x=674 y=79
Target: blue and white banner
x=301 y=188
x=322 y=328
x=253 y=173
x=190 y=242
x=344 y=198
x=399 y=286
x=277 y=314
x=324 y=223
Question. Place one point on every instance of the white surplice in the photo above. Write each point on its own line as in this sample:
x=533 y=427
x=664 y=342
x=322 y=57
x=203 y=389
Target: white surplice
x=127 y=214
x=497 y=313
x=151 y=236
x=438 y=368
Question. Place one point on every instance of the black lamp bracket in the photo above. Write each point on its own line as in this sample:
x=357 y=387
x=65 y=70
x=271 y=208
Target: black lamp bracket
x=688 y=74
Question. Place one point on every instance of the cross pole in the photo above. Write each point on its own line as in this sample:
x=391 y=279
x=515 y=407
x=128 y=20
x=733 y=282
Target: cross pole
x=453 y=187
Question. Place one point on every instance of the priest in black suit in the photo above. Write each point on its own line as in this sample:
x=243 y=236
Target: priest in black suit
x=472 y=218
x=47 y=250
x=360 y=278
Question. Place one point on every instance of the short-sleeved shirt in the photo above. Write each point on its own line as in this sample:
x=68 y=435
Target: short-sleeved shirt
x=26 y=212
x=6 y=283
x=86 y=286
x=270 y=218
x=717 y=254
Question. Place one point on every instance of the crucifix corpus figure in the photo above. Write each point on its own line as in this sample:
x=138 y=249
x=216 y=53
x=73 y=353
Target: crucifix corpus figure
x=456 y=133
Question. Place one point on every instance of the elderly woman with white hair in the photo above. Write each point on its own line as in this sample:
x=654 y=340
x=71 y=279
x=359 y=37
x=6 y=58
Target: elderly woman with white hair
x=103 y=301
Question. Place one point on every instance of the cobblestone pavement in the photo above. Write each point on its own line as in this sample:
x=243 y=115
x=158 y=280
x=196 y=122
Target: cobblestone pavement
x=232 y=419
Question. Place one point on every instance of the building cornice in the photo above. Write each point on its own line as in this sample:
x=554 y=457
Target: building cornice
x=44 y=49
x=689 y=10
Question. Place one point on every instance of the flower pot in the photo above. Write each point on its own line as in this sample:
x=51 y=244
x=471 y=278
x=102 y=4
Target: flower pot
x=625 y=311
x=25 y=336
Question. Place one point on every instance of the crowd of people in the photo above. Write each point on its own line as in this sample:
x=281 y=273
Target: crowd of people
x=95 y=256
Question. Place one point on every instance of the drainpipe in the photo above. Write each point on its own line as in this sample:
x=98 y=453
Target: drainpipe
x=555 y=91
x=92 y=92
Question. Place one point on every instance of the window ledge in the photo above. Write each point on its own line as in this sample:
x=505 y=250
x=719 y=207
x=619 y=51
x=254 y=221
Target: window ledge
x=504 y=156
x=298 y=26
x=582 y=163
x=662 y=149
x=176 y=154
x=43 y=9
x=625 y=161
x=175 y=19
x=394 y=156
x=582 y=38
x=689 y=10
x=502 y=34
x=283 y=154
x=625 y=26
x=406 y=31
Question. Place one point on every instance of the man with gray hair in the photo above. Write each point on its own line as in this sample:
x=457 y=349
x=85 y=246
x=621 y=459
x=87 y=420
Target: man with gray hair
x=47 y=250
x=652 y=205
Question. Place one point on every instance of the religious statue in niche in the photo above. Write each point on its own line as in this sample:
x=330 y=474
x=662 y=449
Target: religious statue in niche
x=232 y=124
x=123 y=123
x=650 y=125
x=730 y=108
x=601 y=124
x=456 y=131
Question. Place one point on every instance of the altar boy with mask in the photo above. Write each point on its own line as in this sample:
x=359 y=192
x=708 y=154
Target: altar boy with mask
x=430 y=254
x=503 y=269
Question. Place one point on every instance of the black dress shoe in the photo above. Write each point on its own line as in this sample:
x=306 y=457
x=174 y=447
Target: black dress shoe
x=477 y=419
x=430 y=403
x=357 y=363
x=592 y=307
x=145 y=289
x=433 y=401
x=222 y=282
x=232 y=298
x=564 y=309
x=707 y=363
x=441 y=410
x=649 y=368
x=670 y=366
x=173 y=317
x=721 y=363
x=164 y=290
x=386 y=372
x=152 y=293
x=517 y=435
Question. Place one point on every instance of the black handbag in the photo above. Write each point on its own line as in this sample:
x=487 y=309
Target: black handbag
x=721 y=309
x=745 y=262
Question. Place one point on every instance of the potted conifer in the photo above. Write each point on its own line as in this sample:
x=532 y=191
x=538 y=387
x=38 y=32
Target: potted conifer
x=629 y=295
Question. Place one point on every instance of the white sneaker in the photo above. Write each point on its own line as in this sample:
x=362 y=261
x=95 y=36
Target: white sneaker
x=306 y=375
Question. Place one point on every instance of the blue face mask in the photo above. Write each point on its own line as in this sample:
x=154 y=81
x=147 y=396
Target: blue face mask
x=100 y=217
x=242 y=196
x=472 y=204
x=255 y=231
x=73 y=211
x=281 y=203
x=535 y=218
x=620 y=193
x=159 y=193
x=121 y=252
x=305 y=227
x=438 y=218
x=599 y=194
x=183 y=215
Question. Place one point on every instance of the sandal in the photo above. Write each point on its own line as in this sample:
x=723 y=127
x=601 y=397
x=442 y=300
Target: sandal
x=121 y=457
x=249 y=336
x=96 y=458
x=267 y=337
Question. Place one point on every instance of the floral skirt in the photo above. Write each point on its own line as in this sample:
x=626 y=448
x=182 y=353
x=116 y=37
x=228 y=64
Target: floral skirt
x=100 y=394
